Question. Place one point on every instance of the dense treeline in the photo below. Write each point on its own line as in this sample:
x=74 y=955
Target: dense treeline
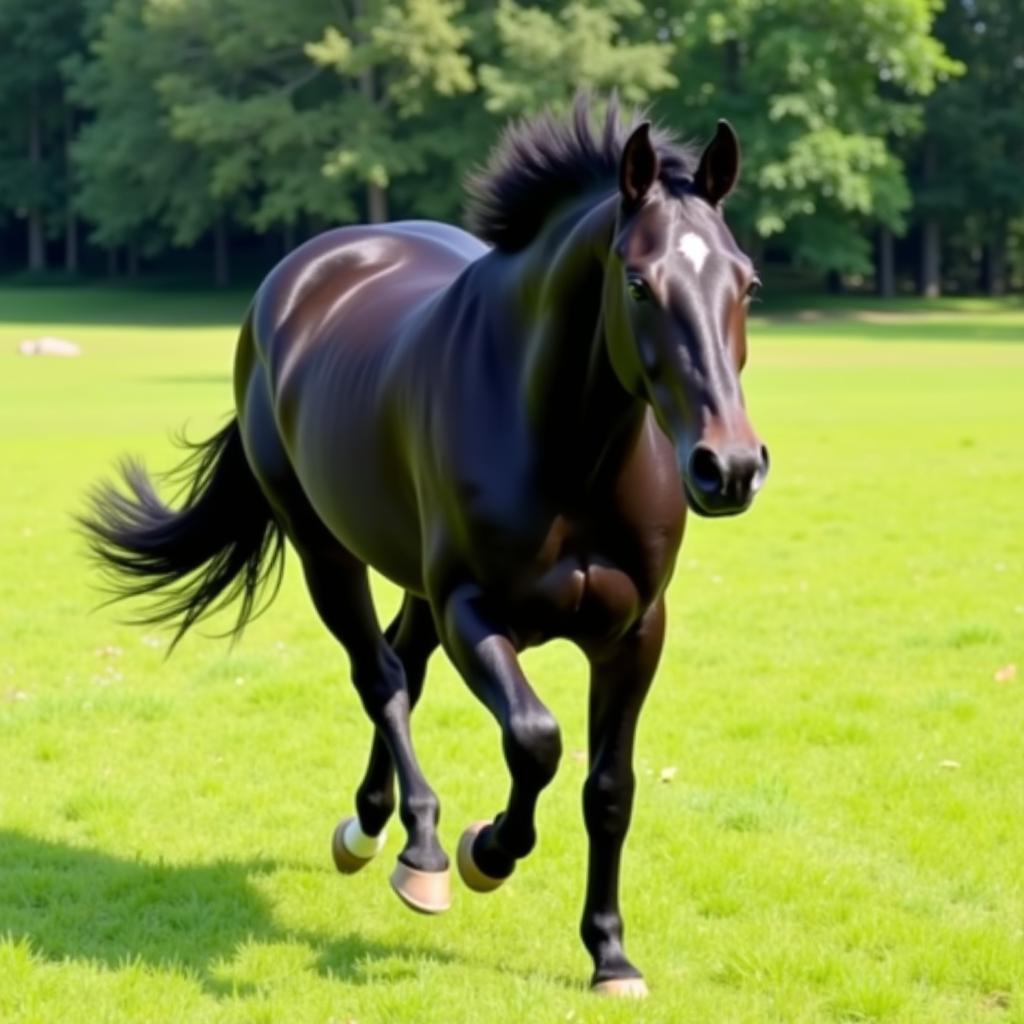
x=884 y=140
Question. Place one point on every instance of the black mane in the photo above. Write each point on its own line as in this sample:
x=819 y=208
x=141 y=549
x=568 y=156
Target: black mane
x=540 y=162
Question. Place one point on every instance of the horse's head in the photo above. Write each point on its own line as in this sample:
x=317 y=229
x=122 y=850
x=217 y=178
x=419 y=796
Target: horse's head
x=675 y=307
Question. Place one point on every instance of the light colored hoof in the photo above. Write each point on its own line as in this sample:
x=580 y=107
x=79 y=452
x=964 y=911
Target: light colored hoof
x=474 y=878
x=352 y=848
x=426 y=892
x=622 y=988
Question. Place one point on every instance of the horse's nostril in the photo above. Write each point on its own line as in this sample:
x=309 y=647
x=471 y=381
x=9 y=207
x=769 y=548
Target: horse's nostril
x=706 y=470
x=760 y=470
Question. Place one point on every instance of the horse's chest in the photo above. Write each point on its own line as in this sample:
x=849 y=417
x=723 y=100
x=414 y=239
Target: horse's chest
x=577 y=590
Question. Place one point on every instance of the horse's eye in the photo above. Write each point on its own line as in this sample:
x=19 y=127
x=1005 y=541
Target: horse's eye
x=753 y=288
x=638 y=290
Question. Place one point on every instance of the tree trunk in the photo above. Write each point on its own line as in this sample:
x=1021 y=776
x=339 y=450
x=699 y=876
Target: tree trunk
x=931 y=259
x=36 y=241
x=112 y=261
x=221 y=269
x=930 y=275
x=71 y=262
x=834 y=282
x=131 y=253
x=376 y=195
x=993 y=272
x=288 y=238
x=885 y=275
x=70 y=217
x=376 y=204
x=36 y=232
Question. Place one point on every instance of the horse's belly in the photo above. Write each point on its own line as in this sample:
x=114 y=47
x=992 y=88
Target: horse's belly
x=365 y=510
x=357 y=484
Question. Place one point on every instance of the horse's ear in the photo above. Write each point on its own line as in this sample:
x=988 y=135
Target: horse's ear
x=638 y=170
x=719 y=165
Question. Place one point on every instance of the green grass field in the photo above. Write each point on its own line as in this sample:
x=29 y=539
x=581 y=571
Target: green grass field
x=843 y=837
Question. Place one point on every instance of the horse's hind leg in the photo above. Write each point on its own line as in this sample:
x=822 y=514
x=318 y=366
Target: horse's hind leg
x=413 y=638
x=340 y=590
x=341 y=594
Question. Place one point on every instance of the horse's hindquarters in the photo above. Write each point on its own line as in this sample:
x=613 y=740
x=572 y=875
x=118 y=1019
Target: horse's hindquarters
x=316 y=389
x=329 y=483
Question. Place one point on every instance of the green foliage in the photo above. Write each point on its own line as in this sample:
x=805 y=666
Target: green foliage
x=139 y=183
x=969 y=165
x=419 y=47
x=274 y=115
x=186 y=114
x=403 y=65
x=37 y=38
x=816 y=90
x=544 y=56
x=976 y=122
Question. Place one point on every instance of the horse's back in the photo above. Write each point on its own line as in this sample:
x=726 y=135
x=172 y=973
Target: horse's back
x=367 y=275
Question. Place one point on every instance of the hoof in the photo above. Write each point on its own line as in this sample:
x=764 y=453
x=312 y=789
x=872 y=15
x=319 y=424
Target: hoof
x=426 y=892
x=352 y=848
x=474 y=878
x=621 y=988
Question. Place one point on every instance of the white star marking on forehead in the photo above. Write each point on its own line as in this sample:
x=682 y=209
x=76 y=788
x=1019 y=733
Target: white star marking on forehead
x=695 y=249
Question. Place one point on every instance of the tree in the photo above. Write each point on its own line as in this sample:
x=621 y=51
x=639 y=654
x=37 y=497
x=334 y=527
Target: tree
x=35 y=169
x=545 y=55
x=140 y=186
x=526 y=58
x=208 y=112
x=405 y=58
x=816 y=89
x=203 y=119
x=969 y=164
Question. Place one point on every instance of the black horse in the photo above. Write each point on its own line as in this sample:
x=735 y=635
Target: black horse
x=510 y=432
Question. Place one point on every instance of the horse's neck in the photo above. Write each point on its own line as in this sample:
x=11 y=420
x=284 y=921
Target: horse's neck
x=574 y=400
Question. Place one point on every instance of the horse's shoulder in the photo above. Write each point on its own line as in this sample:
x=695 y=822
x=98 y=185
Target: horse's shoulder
x=640 y=508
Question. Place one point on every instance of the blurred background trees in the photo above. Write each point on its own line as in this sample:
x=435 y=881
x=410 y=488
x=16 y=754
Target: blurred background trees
x=883 y=141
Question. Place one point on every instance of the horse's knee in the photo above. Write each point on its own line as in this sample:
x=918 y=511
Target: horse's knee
x=533 y=745
x=608 y=802
x=415 y=674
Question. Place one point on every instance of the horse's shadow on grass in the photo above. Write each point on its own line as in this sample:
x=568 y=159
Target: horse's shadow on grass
x=71 y=902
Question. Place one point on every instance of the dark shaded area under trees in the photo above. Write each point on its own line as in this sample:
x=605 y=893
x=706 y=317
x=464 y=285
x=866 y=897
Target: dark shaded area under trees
x=884 y=141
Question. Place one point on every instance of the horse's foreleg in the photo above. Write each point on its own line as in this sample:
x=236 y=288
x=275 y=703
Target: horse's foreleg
x=341 y=594
x=413 y=638
x=620 y=679
x=487 y=660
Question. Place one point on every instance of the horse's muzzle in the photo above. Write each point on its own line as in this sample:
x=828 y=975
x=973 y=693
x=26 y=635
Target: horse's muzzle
x=723 y=481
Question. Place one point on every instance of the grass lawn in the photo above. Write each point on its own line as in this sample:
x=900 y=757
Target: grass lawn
x=843 y=837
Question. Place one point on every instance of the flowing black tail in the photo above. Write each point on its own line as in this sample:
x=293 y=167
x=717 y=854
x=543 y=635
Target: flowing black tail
x=221 y=544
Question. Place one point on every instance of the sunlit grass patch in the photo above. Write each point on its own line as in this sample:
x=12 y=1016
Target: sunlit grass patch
x=829 y=769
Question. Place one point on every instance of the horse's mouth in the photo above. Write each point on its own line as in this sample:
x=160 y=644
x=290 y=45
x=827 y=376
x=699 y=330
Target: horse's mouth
x=719 y=508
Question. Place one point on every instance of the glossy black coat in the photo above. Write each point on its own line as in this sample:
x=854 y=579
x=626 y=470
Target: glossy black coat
x=513 y=436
